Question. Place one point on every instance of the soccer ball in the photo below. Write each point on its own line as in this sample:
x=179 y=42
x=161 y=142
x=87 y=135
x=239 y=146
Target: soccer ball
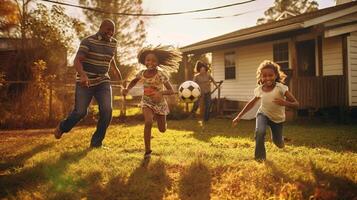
x=189 y=91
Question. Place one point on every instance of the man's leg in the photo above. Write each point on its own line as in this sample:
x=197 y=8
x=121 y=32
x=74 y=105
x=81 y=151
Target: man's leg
x=103 y=95
x=83 y=96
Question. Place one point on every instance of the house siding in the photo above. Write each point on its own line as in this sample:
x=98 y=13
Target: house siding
x=247 y=60
x=332 y=56
x=352 y=68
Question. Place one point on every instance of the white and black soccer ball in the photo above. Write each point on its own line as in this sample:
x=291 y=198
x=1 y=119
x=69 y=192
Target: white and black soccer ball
x=189 y=91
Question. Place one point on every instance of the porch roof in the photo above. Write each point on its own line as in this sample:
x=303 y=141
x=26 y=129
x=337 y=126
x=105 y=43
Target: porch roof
x=290 y=24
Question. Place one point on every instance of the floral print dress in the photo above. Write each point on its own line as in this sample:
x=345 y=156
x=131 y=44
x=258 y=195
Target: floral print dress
x=151 y=86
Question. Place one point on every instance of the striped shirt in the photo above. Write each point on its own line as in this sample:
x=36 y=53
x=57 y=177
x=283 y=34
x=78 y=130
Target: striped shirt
x=98 y=53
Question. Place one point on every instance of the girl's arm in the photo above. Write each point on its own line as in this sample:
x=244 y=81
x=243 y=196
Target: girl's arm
x=289 y=102
x=246 y=108
x=131 y=85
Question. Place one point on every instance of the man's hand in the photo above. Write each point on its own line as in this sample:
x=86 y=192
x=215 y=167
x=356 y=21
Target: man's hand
x=84 y=81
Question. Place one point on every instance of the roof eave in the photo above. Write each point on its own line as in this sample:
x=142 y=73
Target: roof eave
x=289 y=27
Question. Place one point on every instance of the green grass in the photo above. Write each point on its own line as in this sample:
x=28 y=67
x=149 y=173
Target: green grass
x=190 y=161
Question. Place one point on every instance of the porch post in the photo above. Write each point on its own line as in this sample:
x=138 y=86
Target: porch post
x=290 y=113
x=345 y=69
x=185 y=65
x=319 y=55
x=293 y=61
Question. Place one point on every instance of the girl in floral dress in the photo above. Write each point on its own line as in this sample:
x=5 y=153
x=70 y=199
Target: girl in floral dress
x=158 y=61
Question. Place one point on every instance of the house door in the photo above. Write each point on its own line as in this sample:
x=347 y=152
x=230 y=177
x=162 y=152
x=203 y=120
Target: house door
x=306 y=58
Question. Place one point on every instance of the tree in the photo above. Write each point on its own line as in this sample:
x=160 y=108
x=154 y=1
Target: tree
x=47 y=30
x=9 y=14
x=295 y=7
x=130 y=30
x=52 y=31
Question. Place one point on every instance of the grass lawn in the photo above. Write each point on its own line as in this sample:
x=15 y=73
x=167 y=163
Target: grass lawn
x=189 y=161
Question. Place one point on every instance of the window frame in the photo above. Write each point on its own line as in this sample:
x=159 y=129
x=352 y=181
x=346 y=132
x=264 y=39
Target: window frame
x=230 y=68
x=278 y=55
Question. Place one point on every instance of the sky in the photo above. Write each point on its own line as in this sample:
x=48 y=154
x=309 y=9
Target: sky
x=181 y=30
x=185 y=29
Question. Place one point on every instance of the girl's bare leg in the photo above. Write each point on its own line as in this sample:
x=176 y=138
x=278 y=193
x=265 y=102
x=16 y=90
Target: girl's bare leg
x=161 y=122
x=148 y=116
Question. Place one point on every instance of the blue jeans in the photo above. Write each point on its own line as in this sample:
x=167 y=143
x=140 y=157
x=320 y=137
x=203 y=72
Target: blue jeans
x=207 y=102
x=83 y=96
x=262 y=122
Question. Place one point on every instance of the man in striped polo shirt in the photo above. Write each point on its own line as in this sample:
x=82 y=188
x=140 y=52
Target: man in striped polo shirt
x=94 y=58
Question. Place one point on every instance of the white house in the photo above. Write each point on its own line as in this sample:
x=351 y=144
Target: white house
x=317 y=50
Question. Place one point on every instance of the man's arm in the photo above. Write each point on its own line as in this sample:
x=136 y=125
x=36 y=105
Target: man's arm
x=84 y=81
x=114 y=67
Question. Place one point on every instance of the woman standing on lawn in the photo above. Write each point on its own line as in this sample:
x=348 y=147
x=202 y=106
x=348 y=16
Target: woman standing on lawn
x=274 y=97
x=158 y=60
x=203 y=79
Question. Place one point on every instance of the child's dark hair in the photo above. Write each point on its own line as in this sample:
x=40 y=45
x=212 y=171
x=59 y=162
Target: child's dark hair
x=168 y=56
x=280 y=75
x=199 y=64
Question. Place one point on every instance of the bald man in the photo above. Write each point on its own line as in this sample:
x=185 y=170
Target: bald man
x=94 y=59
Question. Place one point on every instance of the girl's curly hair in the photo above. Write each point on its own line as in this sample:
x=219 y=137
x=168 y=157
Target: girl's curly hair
x=168 y=56
x=280 y=75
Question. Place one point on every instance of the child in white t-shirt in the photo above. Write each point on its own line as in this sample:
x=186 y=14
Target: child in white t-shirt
x=274 y=97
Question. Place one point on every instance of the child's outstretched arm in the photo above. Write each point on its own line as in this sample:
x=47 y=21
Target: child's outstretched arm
x=246 y=108
x=213 y=81
x=290 y=101
x=131 y=85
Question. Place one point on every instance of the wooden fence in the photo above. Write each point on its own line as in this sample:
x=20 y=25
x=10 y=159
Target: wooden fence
x=66 y=91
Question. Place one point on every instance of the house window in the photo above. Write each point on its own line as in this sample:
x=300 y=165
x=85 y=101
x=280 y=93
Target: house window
x=281 y=55
x=229 y=66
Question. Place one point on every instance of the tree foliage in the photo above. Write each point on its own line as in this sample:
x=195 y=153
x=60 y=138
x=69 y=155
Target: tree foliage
x=54 y=33
x=45 y=33
x=130 y=30
x=9 y=15
x=44 y=37
x=296 y=7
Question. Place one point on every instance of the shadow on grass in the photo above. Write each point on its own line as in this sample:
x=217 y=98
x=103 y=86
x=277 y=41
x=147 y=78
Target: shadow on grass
x=30 y=178
x=330 y=186
x=195 y=182
x=19 y=160
x=147 y=181
x=324 y=186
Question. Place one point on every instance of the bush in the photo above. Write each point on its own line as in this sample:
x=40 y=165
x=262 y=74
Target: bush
x=31 y=108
